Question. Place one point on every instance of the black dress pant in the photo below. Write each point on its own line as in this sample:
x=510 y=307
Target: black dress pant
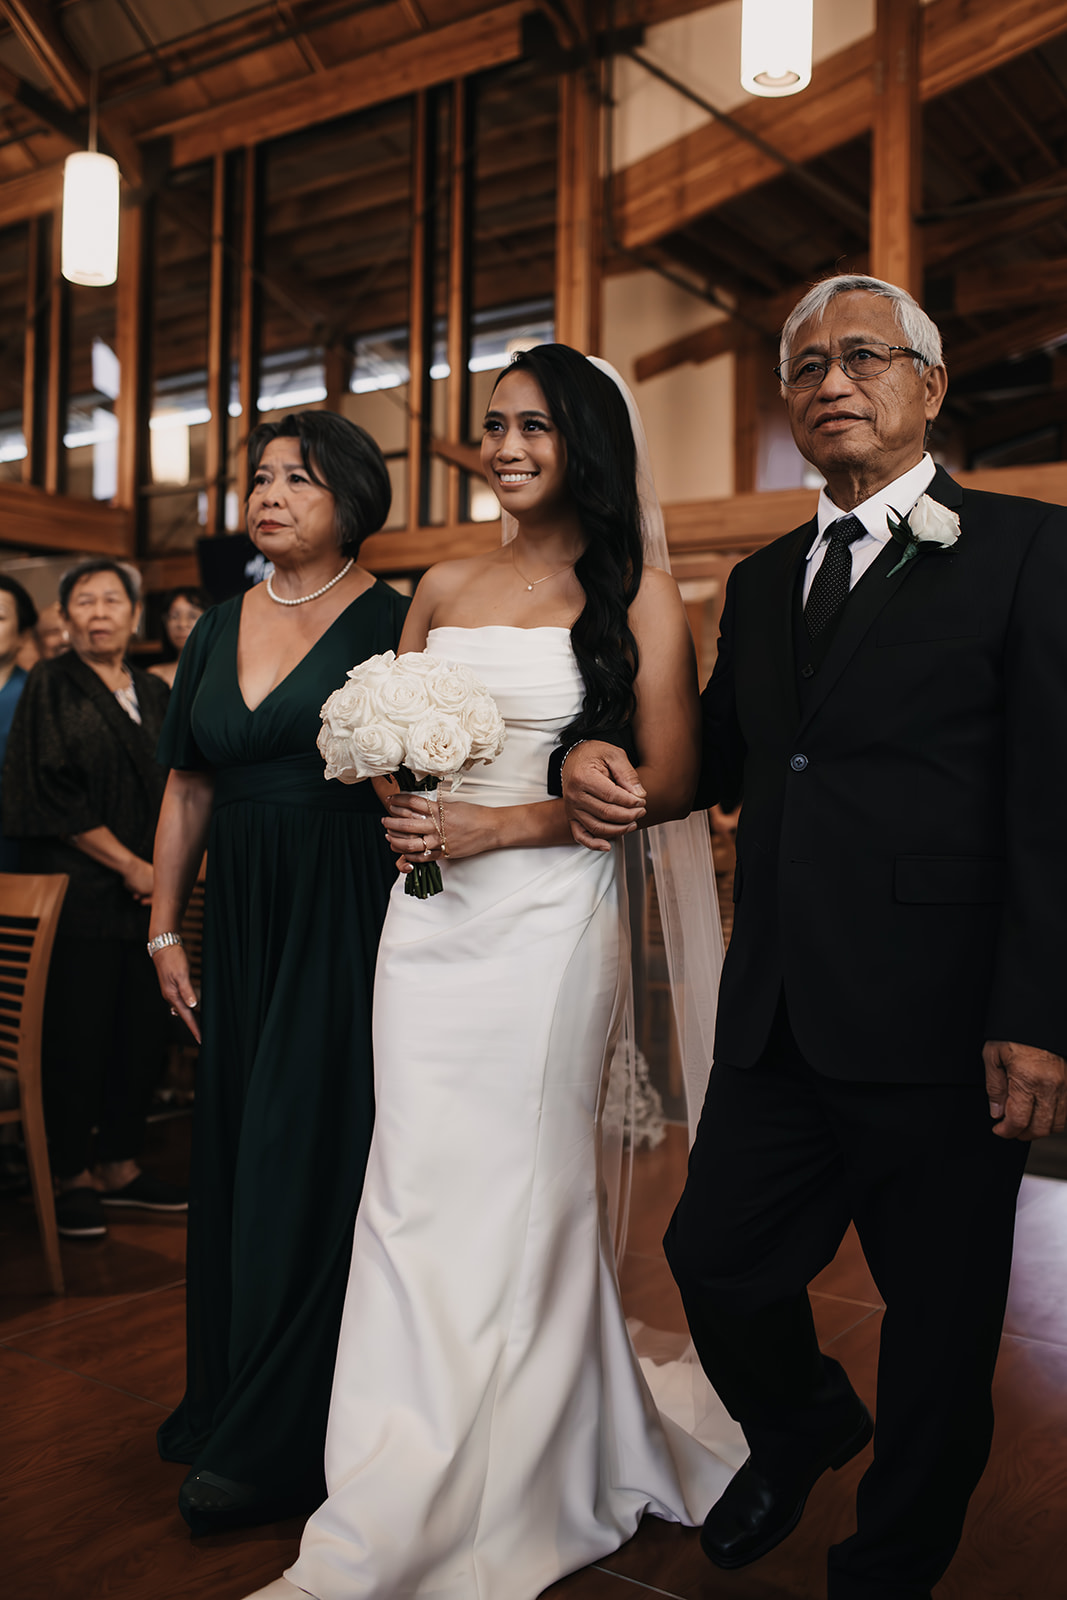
x=105 y=1027
x=784 y=1159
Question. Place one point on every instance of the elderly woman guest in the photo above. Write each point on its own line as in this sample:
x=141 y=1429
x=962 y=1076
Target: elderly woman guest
x=81 y=789
x=18 y=618
x=298 y=878
x=182 y=610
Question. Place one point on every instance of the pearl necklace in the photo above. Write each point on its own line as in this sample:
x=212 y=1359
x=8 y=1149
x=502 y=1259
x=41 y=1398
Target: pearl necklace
x=531 y=586
x=304 y=598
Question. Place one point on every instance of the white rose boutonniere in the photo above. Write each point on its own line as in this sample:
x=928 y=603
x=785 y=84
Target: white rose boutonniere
x=927 y=523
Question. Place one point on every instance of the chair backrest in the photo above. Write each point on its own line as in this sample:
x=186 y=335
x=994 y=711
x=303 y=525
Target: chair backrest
x=29 y=914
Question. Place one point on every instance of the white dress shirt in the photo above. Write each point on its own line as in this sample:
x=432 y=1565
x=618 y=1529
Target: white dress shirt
x=899 y=497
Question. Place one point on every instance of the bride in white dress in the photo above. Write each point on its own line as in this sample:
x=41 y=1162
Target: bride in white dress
x=491 y=1429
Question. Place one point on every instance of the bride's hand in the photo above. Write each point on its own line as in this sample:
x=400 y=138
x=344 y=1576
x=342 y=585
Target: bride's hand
x=413 y=829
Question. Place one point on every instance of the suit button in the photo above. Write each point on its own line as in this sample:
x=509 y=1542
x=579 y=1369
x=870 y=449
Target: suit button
x=807 y=671
x=798 y=763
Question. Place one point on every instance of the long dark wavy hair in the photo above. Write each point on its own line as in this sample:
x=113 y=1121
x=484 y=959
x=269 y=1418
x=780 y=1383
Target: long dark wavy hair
x=592 y=418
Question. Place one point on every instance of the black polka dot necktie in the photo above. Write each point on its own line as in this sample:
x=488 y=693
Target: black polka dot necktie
x=830 y=585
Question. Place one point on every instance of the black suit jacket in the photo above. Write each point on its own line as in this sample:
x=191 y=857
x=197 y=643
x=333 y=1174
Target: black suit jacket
x=902 y=851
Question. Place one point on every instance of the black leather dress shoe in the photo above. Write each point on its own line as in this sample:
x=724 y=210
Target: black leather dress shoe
x=213 y=1504
x=760 y=1508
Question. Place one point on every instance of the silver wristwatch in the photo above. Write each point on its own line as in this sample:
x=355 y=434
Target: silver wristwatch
x=161 y=941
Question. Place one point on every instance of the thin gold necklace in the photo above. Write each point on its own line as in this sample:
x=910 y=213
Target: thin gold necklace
x=530 y=586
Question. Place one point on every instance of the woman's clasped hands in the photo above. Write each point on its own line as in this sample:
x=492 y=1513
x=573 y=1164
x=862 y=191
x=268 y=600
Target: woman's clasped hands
x=419 y=827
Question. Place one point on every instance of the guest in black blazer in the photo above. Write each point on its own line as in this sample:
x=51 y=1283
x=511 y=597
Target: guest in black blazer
x=890 y=704
x=82 y=790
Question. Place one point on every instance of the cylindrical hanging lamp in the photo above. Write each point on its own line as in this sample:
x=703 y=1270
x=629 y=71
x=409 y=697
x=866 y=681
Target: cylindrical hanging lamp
x=90 y=218
x=775 y=46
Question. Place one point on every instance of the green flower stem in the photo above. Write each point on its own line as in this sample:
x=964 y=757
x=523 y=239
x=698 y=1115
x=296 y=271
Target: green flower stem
x=424 y=879
x=910 y=551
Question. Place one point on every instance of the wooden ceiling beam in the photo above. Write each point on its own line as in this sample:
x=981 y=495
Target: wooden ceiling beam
x=1018 y=338
x=703 y=345
x=36 y=28
x=1024 y=283
x=960 y=40
x=943 y=241
x=455 y=50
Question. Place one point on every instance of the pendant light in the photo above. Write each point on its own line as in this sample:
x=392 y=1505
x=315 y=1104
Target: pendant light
x=90 y=244
x=775 y=46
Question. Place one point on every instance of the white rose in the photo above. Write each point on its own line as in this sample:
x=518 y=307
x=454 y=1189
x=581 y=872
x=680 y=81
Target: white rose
x=450 y=688
x=437 y=744
x=932 y=523
x=375 y=750
x=401 y=698
x=374 y=669
x=348 y=707
x=337 y=756
x=419 y=662
x=485 y=725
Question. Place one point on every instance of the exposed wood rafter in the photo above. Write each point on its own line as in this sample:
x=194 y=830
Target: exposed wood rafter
x=960 y=40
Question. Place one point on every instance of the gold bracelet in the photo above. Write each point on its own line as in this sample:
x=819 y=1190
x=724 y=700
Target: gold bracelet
x=441 y=824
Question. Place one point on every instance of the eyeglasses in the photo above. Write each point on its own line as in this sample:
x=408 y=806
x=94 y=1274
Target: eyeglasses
x=865 y=361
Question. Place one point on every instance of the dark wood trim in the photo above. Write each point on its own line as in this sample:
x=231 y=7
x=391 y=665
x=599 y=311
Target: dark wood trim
x=30 y=430
x=459 y=293
x=218 y=351
x=58 y=363
x=250 y=298
x=419 y=334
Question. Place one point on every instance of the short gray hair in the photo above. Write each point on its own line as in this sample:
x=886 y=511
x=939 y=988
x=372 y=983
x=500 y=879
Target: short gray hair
x=920 y=331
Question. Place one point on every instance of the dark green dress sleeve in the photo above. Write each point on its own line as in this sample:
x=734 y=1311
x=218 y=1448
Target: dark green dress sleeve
x=177 y=747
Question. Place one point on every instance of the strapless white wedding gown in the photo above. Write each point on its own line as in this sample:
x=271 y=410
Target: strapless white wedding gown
x=490 y=1428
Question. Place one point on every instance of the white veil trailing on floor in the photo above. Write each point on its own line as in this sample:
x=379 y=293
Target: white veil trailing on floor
x=683 y=873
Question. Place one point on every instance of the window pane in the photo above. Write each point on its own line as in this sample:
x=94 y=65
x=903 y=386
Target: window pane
x=178 y=352
x=514 y=233
x=90 y=432
x=336 y=275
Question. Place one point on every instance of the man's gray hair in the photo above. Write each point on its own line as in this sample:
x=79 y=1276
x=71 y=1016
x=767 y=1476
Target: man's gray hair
x=919 y=331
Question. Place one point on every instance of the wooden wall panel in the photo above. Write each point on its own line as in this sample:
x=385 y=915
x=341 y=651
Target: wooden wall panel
x=32 y=519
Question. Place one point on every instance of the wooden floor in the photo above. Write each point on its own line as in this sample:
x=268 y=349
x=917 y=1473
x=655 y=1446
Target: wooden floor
x=87 y=1509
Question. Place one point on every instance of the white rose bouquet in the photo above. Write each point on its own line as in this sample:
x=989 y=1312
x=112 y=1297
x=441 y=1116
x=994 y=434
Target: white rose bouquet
x=413 y=716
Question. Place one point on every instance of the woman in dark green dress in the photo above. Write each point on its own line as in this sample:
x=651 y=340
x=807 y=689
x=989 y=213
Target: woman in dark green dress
x=298 y=876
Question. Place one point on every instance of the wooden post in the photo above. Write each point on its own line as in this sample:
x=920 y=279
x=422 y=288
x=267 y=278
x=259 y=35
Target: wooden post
x=896 y=148
x=248 y=373
x=132 y=402
x=30 y=392
x=459 y=275
x=418 y=332
x=578 y=214
x=56 y=405
x=218 y=355
x=747 y=360
x=337 y=360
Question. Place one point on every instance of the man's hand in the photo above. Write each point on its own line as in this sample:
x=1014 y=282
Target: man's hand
x=1027 y=1090
x=602 y=794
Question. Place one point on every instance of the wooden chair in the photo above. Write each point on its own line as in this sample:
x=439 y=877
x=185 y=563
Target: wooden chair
x=29 y=913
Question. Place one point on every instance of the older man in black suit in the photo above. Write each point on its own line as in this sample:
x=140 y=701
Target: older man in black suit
x=890 y=703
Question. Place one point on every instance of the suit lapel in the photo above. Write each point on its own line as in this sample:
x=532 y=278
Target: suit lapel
x=873 y=592
x=779 y=619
